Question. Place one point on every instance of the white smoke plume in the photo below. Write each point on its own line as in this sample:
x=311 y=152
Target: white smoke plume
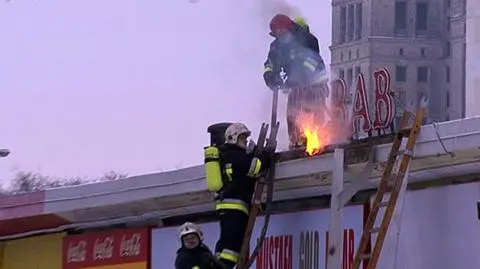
x=271 y=7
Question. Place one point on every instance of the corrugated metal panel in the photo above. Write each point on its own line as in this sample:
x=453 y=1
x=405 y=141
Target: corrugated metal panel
x=40 y=252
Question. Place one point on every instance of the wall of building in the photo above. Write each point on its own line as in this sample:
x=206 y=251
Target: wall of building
x=303 y=235
x=34 y=252
x=473 y=56
x=113 y=249
x=439 y=229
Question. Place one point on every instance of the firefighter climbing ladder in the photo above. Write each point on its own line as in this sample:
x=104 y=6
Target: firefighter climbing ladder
x=340 y=196
x=245 y=259
x=406 y=155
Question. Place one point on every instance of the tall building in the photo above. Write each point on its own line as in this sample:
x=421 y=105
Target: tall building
x=421 y=42
x=473 y=58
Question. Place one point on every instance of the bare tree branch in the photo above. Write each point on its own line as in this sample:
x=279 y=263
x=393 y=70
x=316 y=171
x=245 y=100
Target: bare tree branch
x=25 y=182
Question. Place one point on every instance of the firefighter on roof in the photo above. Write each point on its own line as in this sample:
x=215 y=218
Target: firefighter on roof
x=193 y=254
x=295 y=52
x=231 y=172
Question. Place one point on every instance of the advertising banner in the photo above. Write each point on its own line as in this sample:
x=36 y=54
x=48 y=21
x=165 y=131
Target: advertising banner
x=119 y=249
x=294 y=240
x=34 y=252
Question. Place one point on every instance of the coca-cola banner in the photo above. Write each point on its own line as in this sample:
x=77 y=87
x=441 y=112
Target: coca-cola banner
x=112 y=248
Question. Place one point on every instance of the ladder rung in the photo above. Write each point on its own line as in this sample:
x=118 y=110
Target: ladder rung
x=405 y=152
x=405 y=132
x=384 y=204
x=365 y=256
x=375 y=230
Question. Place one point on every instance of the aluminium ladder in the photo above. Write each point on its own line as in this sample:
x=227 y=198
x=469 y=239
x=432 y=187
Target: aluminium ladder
x=383 y=187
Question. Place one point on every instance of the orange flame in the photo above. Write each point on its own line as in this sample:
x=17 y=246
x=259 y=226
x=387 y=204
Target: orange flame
x=317 y=136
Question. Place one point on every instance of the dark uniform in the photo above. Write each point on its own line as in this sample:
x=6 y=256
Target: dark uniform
x=197 y=258
x=233 y=203
x=299 y=58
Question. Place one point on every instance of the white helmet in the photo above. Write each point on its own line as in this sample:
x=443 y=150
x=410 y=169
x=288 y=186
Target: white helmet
x=189 y=228
x=234 y=130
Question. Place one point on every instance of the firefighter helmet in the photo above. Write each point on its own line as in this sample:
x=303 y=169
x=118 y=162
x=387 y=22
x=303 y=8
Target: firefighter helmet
x=190 y=228
x=280 y=22
x=234 y=131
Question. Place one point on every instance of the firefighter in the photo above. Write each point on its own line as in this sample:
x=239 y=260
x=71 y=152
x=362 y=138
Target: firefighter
x=294 y=51
x=193 y=254
x=241 y=169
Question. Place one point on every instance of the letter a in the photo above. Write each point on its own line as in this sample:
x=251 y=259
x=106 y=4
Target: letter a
x=360 y=107
x=384 y=105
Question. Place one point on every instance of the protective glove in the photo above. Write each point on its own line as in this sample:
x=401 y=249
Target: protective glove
x=272 y=80
x=251 y=146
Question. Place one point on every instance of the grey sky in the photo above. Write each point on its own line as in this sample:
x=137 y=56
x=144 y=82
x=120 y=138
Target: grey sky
x=90 y=86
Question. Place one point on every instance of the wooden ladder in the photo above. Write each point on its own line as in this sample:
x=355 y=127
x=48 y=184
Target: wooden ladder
x=384 y=186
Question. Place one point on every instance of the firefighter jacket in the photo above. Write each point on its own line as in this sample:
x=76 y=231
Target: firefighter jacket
x=241 y=169
x=197 y=258
x=297 y=56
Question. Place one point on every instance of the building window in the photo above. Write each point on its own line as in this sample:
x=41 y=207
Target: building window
x=447 y=99
x=349 y=55
x=349 y=77
x=359 y=19
x=421 y=17
x=447 y=3
x=400 y=73
x=341 y=56
x=400 y=52
x=448 y=25
x=447 y=49
x=447 y=74
x=400 y=16
x=341 y=74
x=343 y=24
x=422 y=52
x=422 y=74
x=351 y=22
x=358 y=53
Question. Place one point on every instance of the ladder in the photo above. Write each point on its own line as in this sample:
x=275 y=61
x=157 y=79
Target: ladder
x=245 y=260
x=383 y=187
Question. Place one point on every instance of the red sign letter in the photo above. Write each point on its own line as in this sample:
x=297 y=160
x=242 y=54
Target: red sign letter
x=339 y=103
x=384 y=109
x=360 y=107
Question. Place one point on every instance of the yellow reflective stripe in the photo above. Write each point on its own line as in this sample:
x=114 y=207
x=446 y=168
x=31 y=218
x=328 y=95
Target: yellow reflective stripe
x=195 y=267
x=255 y=166
x=232 y=204
x=229 y=255
x=309 y=66
x=267 y=69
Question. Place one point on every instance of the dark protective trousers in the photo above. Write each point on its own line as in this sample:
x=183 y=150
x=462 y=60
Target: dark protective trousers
x=310 y=99
x=233 y=224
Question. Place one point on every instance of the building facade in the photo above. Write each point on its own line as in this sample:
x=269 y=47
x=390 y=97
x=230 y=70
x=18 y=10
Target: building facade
x=421 y=42
x=473 y=54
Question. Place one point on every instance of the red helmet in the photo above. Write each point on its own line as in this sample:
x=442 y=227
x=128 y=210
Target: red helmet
x=281 y=22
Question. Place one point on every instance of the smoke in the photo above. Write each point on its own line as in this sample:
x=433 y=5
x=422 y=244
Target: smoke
x=272 y=7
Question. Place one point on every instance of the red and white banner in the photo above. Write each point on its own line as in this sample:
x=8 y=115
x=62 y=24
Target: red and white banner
x=296 y=240
x=119 y=249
